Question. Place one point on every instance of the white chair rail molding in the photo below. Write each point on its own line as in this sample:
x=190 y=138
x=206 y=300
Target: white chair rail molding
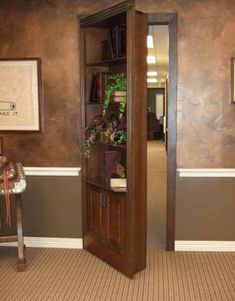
x=206 y=172
x=52 y=171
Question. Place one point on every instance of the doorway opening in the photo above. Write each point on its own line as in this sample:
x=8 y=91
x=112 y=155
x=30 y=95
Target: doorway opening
x=157 y=85
x=161 y=129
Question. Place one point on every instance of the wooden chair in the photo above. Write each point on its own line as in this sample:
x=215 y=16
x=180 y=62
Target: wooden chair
x=17 y=190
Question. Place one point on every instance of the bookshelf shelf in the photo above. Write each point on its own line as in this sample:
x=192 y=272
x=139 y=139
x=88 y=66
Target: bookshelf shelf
x=94 y=103
x=120 y=146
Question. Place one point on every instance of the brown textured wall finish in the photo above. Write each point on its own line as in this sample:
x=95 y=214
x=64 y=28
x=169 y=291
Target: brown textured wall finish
x=206 y=127
x=48 y=29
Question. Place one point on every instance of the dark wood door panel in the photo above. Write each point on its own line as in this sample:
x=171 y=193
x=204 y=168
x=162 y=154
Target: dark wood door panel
x=122 y=263
x=97 y=214
x=116 y=225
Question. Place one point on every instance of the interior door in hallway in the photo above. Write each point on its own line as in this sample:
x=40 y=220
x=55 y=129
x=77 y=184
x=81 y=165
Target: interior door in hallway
x=113 y=42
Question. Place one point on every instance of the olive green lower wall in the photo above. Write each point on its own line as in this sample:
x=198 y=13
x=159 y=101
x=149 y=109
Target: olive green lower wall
x=52 y=207
x=205 y=209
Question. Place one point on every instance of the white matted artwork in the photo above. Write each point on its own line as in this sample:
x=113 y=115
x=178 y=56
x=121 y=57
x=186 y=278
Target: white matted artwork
x=20 y=92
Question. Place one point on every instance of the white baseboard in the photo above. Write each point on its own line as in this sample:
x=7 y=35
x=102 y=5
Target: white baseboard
x=49 y=242
x=76 y=243
x=205 y=245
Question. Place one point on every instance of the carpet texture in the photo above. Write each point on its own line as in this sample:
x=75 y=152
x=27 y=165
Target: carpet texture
x=60 y=274
x=156 y=193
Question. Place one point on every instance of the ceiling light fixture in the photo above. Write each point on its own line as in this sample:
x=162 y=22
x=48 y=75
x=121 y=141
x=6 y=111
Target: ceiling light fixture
x=151 y=59
x=150 y=41
x=151 y=80
x=152 y=73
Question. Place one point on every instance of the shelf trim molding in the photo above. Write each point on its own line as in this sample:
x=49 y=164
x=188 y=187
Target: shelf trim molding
x=204 y=246
x=206 y=172
x=105 y=14
x=49 y=242
x=53 y=171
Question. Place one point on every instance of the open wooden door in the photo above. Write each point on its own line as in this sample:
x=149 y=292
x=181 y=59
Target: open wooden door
x=113 y=42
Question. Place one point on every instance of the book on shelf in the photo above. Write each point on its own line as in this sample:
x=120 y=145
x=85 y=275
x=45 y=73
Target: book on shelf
x=119 y=189
x=110 y=41
x=106 y=51
x=121 y=41
x=115 y=45
x=92 y=97
x=98 y=84
x=118 y=183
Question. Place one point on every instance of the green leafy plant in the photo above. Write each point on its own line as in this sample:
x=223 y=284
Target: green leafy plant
x=120 y=137
x=110 y=127
x=88 y=142
x=86 y=148
x=116 y=82
x=122 y=108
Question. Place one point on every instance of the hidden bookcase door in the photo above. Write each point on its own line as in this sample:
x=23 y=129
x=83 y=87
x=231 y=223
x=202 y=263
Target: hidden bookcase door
x=113 y=41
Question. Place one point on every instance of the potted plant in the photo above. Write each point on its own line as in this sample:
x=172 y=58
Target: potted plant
x=105 y=130
x=116 y=91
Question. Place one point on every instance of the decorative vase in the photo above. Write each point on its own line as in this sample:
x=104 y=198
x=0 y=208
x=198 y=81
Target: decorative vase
x=119 y=96
x=112 y=158
x=104 y=138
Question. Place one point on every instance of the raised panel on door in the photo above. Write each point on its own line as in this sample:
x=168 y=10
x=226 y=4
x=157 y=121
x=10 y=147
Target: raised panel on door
x=97 y=213
x=116 y=221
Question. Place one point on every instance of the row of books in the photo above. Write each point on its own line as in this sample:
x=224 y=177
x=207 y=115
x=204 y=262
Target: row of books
x=115 y=46
x=98 y=84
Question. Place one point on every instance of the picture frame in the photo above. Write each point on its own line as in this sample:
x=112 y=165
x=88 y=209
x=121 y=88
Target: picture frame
x=232 y=62
x=20 y=94
x=1 y=146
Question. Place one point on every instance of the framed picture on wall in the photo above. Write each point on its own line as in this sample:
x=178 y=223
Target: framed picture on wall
x=233 y=80
x=20 y=94
x=1 y=145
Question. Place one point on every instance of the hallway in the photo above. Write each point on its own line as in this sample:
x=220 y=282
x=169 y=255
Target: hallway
x=156 y=193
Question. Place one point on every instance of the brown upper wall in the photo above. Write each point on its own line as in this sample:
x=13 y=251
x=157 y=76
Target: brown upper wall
x=206 y=127
x=48 y=29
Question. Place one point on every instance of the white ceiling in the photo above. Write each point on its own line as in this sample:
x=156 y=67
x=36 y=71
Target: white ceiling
x=160 y=35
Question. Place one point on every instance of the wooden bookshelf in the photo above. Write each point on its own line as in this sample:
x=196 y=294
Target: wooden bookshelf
x=114 y=219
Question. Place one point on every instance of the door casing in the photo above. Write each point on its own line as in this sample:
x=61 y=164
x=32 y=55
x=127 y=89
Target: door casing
x=170 y=19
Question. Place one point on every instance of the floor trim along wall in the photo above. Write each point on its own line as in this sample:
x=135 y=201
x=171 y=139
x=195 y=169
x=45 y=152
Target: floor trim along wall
x=210 y=246
x=76 y=243
x=52 y=171
x=49 y=242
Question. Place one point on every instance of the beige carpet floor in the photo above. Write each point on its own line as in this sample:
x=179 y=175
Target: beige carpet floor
x=156 y=193
x=60 y=274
